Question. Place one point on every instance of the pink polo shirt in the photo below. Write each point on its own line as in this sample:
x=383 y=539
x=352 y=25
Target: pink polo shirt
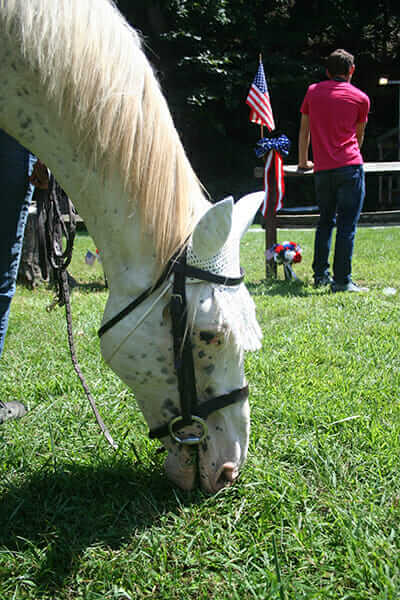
x=334 y=108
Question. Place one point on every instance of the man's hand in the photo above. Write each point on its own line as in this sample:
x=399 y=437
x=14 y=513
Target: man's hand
x=40 y=176
x=307 y=166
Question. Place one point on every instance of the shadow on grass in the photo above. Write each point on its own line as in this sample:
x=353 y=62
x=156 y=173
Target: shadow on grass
x=91 y=286
x=277 y=287
x=63 y=512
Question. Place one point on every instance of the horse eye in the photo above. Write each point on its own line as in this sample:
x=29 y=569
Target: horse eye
x=207 y=336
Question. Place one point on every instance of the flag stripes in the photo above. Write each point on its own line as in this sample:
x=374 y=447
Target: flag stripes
x=259 y=101
x=274 y=178
x=261 y=112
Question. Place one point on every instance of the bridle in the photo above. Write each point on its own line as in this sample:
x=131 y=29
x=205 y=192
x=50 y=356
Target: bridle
x=191 y=410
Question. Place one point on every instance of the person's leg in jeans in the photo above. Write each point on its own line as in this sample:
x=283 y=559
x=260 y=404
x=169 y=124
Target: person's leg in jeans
x=15 y=198
x=326 y=200
x=350 y=199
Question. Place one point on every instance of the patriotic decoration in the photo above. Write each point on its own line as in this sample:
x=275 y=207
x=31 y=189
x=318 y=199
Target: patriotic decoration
x=280 y=143
x=273 y=148
x=259 y=102
x=285 y=254
x=90 y=258
x=273 y=178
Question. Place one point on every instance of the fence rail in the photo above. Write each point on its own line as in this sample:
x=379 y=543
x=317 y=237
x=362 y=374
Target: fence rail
x=303 y=217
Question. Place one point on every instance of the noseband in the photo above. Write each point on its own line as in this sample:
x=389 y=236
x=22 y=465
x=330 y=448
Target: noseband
x=191 y=410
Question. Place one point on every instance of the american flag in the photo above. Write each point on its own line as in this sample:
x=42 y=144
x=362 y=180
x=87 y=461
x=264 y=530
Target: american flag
x=259 y=101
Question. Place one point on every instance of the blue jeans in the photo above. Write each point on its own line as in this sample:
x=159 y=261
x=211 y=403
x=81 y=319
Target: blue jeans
x=340 y=195
x=16 y=193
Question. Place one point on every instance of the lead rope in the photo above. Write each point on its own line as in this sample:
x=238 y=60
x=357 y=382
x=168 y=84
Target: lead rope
x=66 y=300
x=52 y=227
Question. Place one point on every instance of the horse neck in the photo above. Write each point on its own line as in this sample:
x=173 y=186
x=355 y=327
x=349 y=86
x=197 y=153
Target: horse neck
x=103 y=205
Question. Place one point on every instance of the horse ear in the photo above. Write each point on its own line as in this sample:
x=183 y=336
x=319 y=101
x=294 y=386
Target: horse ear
x=213 y=229
x=245 y=210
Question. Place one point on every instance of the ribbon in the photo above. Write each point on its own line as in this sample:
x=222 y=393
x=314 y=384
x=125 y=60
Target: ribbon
x=279 y=143
x=273 y=180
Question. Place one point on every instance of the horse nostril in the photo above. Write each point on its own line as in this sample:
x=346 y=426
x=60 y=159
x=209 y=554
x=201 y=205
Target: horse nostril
x=226 y=475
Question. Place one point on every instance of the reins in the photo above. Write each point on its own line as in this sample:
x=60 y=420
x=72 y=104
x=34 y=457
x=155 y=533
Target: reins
x=52 y=228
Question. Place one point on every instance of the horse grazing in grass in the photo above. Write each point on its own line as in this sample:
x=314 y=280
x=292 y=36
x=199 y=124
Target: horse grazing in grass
x=77 y=90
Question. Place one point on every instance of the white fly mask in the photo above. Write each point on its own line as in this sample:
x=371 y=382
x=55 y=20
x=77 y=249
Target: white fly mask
x=215 y=247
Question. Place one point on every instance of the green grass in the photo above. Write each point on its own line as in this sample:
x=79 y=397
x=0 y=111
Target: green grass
x=321 y=485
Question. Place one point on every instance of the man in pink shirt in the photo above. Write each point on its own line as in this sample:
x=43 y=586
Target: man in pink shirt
x=334 y=114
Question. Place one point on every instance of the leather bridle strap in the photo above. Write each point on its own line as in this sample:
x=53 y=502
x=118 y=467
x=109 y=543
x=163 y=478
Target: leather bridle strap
x=196 y=273
x=183 y=356
x=132 y=305
x=174 y=266
x=183 y=352
x=205 y=409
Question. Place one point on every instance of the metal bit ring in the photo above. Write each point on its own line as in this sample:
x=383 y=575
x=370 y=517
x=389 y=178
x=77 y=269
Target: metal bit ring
x=191 y=440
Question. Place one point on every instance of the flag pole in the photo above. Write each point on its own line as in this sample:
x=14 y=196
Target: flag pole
x=269 y=217
x=262 y=126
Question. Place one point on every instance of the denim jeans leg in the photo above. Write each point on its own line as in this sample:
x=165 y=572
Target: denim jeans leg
x=16 y=194
x=326 y=200
x=350 y=199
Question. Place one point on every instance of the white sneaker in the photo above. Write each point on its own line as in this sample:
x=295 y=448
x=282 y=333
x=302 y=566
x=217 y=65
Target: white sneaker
x=348 y=287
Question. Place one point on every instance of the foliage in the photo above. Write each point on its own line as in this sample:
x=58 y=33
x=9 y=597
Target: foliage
x=81 y=522
x=207 y=53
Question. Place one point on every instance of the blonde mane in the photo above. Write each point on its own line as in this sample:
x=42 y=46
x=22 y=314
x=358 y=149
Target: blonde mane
x=92 y=67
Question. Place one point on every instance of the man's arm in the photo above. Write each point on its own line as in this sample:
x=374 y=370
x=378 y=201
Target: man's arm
x=360 y=129
x=304 y=143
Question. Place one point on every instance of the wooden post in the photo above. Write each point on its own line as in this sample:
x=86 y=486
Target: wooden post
x=270 y=226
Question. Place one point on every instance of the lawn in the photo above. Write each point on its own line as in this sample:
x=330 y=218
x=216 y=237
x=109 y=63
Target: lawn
x=316 y=510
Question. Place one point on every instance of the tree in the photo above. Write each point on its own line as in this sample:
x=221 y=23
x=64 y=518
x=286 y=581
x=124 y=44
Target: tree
x=206 y=55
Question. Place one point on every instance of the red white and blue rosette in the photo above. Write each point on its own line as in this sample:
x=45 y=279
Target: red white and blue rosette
x=286 y=254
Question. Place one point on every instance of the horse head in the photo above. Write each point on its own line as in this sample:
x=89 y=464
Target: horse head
x=219 y=327
x=223 y=327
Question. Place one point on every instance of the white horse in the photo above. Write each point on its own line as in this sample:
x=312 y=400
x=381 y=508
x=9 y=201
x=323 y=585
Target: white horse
x=77 y=90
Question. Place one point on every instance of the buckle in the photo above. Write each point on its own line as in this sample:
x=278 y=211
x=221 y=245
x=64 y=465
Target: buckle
x=192 y=439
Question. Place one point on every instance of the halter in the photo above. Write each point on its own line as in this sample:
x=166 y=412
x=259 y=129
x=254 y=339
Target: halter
x=191 y=410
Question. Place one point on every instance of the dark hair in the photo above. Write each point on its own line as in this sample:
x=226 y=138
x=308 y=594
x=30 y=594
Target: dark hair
x=339 y=62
